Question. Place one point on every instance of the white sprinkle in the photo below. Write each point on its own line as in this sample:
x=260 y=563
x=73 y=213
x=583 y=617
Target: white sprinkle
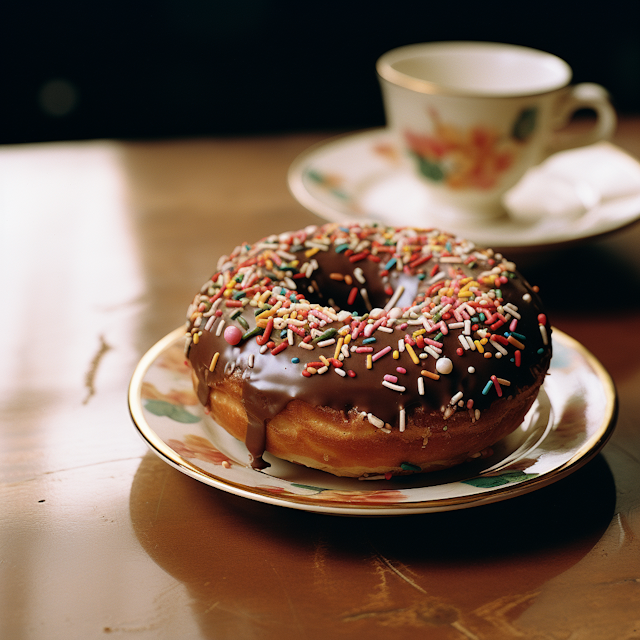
x=210 y=321
x=463 y=341
x=326 y=343
x=394 y=298
x=264 y=348
x=340 y=372
x=401 y=345
x=306 y=345
x=448 y=412
x=467 y=327
x=365 y=296
x=290 y=337
x=456 y=325
x=385 y=329
x=421 y=386
x=471 y=343
x=290 y=284
x=471 y=369
x=220 y=325
x=359 y=275
x=455 y=398
x=376 y=422
x=431 y=351
x=322 y=370
x=513 y=310
x=344 y=351
x=543 y=333
x=402 y=420
x=498 y=347
x=393 y=387
x=251 y=359
x=526 y=297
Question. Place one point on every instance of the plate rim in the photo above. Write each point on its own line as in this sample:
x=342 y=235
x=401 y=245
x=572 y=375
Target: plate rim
x=295 y=183
x=306 y=503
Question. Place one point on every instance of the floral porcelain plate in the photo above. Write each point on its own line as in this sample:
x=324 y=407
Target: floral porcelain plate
x=572 y=196
x=569 y=423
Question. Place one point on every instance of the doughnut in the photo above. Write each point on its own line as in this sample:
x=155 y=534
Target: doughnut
x=365 y=350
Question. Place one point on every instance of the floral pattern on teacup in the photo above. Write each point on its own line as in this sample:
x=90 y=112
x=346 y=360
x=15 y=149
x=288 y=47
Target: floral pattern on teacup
x=472 y=158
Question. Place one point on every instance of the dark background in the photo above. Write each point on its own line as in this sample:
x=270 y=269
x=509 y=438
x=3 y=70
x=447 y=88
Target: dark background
x=181 y=68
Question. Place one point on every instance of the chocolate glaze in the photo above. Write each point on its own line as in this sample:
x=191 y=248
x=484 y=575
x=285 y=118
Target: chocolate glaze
x=273 y=380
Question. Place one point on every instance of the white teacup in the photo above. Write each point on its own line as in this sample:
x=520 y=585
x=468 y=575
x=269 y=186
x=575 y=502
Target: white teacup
x=472 y=117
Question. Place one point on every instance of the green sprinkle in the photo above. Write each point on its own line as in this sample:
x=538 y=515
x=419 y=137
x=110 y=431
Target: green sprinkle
x=342 y=247
x=235 y=314
x=258 y=331
x=405 y=466
x=329 y=333
x=239 y=294
x=540 y=351
x=243 y=323
x=498 y=293
x=258 y=311
x=438 y=336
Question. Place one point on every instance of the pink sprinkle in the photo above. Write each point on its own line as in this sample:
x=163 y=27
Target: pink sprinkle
x=389 y=378
x=381 y=353
x=433 y=343
x=232 y=335
x=514 y=325
x=403 y=326
x=364 y=350
x=401 y=370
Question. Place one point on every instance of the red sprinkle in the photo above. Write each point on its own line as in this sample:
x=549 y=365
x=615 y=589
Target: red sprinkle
x=281 y=347
x=352 y=295
x=497 y=386
x=351 y=373
x=306 y=373
x=518 y=357
x=542 y=319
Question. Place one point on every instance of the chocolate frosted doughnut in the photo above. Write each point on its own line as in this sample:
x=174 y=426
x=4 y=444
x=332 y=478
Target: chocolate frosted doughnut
x=367 y=350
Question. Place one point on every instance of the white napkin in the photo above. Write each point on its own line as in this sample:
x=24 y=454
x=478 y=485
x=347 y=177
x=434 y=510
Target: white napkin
x=571 y=183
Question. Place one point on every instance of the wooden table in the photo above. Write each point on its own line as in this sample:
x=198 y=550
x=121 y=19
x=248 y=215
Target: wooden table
x=103 y=244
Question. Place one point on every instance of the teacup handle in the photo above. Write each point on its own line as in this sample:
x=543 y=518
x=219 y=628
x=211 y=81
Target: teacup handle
x=586 y=95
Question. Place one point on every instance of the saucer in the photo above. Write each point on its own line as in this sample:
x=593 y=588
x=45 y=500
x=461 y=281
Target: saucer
x=569 y=423
x=572 y=196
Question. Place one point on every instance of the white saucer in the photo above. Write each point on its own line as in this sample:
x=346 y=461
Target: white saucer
x=572 y=196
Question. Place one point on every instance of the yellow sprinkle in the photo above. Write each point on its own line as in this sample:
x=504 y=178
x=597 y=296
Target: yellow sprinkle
x=265 y=296
x=396 y=355
x=428 y=374
x=325 y=362
x=484 y=341
x=369 y=361
x=214 y=361
x=227 y=293
x=466 y=280
x=196 y=337
x=412 y=353
x=311 y=252
x=464 y=294
x=338 y=347
x=479 y=346
x=294 y=263
x=347 y=338
x=194 y=315
x=270 y=312
x=312 y=370
x=294 y=315
x=419 y=332
x=269 y=264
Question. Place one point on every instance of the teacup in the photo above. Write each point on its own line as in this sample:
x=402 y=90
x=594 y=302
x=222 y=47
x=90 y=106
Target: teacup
x=473 y=117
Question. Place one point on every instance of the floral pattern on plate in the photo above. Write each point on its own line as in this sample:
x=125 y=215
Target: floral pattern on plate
x=569 y=423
